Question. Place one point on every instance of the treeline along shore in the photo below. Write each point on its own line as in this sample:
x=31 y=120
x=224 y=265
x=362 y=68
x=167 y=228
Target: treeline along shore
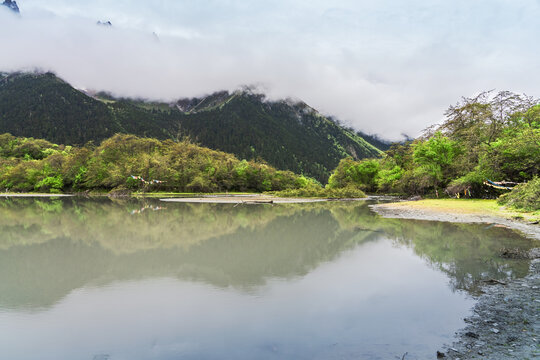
x=487 y=146
x=125 y=163
x=486 y=140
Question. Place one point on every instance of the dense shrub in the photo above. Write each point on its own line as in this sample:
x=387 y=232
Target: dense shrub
x=347 y=192
x=134 y=163
x=489 y=137
x=525 y=196
x=360 y=174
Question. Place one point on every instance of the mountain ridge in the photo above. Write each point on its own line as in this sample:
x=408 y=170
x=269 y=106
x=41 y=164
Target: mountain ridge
x=287 y=134
x=12 y=5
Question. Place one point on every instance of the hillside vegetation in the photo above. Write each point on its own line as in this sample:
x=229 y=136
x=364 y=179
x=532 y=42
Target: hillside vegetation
x=287 y=135
x=524 y=196
x=128 y=162
x=492 y=137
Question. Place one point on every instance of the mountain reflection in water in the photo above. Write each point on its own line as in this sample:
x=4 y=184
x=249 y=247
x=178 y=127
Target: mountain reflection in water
x=49 y=247
x=141 y=279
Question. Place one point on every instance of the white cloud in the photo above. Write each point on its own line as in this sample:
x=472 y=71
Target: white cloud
x=388 y=67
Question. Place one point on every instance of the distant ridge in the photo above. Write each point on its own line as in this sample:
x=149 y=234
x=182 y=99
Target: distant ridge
x=289 y=135
x=11 y=5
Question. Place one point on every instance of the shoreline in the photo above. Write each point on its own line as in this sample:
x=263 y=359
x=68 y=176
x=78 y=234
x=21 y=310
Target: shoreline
x=449 y=210
x=242 y=199
x=215 y=198
x=29 y=195
x=504 y=323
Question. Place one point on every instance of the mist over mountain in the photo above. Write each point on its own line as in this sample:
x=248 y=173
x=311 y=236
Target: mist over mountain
x=288 y=134
x=382 y=67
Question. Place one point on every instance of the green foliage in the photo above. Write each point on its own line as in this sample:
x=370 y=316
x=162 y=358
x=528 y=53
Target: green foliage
x=178 y=167
x=435 y=158
x=388 y=178
x=516 y=153
x=26 y=148
x=361 y=174
x=43 y=106
x=473 y=183
x=287 y=136
x=348 y=192
x=53 y=184
x=490 y=136
x=487 y=137
x=524 y=197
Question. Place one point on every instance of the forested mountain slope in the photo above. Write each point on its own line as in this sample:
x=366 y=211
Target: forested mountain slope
x=288 y=135
x=43 y=106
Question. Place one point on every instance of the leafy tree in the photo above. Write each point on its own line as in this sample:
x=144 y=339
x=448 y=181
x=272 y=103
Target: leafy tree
x=435 y=158
x=362 y=174
x=128 y=161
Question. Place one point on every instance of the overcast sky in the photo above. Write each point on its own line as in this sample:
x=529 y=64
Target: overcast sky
x=387 y=67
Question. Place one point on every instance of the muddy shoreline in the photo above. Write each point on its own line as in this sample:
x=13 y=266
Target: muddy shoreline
x=505 y=321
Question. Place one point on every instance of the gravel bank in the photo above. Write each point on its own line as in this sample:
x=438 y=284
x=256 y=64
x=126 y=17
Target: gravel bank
x=403 y=212
x=505 y=323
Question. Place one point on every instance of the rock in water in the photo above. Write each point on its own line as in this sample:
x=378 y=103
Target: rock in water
x=12 y=5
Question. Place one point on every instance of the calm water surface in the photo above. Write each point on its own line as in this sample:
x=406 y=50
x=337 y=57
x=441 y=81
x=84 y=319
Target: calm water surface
x=139 y=279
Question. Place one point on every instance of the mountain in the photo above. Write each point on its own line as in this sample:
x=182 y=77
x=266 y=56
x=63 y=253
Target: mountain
x=11 y=5
x=287 y=134
x=43 y=106
x=375 y=140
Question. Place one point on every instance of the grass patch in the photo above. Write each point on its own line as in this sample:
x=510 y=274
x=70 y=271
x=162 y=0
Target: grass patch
x=470 y=206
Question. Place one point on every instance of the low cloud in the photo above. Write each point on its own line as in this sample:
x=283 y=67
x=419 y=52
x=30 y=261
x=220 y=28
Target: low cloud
x=381 y=69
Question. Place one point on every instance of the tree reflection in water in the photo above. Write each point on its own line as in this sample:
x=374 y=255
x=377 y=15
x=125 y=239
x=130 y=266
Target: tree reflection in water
x=49 y=247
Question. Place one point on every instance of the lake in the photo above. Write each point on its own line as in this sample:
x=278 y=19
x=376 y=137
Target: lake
x=129 y=279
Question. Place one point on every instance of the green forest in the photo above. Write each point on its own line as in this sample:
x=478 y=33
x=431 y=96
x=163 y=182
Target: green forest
x=487 y=145
x=491 y=138
x=289 y=135
x=132 y=163
x=125 y=163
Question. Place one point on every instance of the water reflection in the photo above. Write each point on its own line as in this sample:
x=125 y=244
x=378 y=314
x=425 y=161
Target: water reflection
x=137 y=279
x=49 y=247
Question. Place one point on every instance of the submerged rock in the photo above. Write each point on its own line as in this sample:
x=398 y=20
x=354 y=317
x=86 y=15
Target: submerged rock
x=472 y=334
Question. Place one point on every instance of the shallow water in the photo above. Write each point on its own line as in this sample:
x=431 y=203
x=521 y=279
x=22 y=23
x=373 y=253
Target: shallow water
x=142 y=279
